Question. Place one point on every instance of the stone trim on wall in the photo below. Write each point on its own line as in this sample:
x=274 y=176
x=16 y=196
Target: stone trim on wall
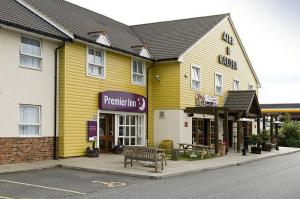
x=18 y=149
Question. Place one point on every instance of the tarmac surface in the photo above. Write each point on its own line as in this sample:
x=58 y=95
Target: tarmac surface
x=277 y=177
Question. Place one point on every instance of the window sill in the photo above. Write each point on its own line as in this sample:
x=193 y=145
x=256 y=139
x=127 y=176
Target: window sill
x=96 y=76
x=30 y=136
x=27 y=67
x=138 y=83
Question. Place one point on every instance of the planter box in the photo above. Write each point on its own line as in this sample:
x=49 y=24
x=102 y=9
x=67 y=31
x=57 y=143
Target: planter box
x=267 y=147
x=92 y=152
x=255 y=150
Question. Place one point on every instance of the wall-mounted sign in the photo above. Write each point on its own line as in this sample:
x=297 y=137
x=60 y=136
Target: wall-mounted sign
x=205 y=100
x=226 y=61
x=92 y=130
x=229 y=39
x=122 y=101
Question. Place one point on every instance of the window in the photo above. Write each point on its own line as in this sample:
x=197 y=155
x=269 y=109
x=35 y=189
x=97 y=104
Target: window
x=30 y=120
x=195 y=73
x=96 y=63
x=236 y=85
x=138 y=72
x=131 y=129
x=219 y=84
x=31 y=53
x=250 y=87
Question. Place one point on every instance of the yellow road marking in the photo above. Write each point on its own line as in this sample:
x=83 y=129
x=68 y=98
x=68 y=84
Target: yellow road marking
x=112 y=184
x=43 y=187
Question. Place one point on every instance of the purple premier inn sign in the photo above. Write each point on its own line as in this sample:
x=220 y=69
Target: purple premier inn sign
x=122 y=101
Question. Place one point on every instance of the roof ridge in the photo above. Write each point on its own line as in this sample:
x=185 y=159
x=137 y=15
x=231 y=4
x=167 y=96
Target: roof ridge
x=176 y=20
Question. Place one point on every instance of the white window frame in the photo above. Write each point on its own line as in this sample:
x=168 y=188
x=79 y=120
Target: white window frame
x=195 y=66
x=104 y=63
x=239 y=84
x=30 y=55
x=31 y=124
x=144 y=72
x=249 y=84
x=222 y=90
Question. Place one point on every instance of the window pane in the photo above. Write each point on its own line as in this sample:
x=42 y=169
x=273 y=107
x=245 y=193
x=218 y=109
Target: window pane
x=140 y=68
x=132 y=133
x=30 y=46
x=127 y=119
x=132 y=141
x=121 y=130
x=140 y=78
x=29 y=130
x=29 y=114
x=127 y=130
x=32 y=62
x=126 y=141
x=132 y=120
x=121 y=120
x=196 y=74
x=134 y=67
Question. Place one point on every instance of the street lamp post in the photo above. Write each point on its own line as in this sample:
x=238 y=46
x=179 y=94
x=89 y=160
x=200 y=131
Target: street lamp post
x=277 y=123
x=244 y=120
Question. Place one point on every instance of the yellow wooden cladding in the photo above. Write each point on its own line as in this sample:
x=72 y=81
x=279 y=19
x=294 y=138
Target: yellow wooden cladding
x=78 y=96
x=169 y=84
x=206 y=54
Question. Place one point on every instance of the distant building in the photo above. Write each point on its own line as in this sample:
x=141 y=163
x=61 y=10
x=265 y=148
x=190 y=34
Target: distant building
x=280 y=110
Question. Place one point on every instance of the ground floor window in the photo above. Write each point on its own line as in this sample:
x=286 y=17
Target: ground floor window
x=130 y=129
x=30 y=120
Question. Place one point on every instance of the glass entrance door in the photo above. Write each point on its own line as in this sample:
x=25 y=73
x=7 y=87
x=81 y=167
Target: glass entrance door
x=106 y=132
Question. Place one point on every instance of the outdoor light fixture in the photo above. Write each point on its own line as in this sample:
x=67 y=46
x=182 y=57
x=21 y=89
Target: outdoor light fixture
x=157 y=77
x=277 y=123
x=245 y=134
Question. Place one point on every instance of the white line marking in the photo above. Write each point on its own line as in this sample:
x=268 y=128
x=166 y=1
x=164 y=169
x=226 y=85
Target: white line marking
x=44 y=187
x=112 y=184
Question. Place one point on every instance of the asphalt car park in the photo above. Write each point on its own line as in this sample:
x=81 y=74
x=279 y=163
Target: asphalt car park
x=59 y=183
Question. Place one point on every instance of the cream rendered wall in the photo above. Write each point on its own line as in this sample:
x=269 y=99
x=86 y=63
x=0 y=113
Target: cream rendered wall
x=172 y=127
x=205 y=54
x=25 y=86
x=167 y=128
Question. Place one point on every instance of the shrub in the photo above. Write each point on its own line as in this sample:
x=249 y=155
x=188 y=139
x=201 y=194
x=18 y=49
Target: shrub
x=290 y=134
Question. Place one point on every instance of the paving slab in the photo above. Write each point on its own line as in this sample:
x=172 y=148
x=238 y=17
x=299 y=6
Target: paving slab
x=113 y=164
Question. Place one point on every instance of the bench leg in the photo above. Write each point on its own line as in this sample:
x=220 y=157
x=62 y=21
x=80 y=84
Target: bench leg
x=155 y=166
x=165 y=160
x=162 y=164
x=125 y=162
x=131 y=162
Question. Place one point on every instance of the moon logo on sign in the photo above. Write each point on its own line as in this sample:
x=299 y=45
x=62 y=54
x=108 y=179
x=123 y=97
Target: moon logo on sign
x=142 y=105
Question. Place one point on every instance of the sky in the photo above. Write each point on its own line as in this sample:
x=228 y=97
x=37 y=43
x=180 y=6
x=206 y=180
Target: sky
x=269 y=30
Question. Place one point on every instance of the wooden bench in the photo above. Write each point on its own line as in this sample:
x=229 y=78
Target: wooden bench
x=144 y=154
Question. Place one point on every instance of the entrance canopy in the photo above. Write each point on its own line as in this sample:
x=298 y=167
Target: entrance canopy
x=245 y=102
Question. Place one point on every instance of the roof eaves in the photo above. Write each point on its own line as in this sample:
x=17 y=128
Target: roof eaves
x=24 y=28
x=77 y=37
x=47 y=19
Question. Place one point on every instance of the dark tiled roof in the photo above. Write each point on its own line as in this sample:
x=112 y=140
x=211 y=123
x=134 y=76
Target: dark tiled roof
x=281 y=106
x=81 y=22
x=167 y=40
x=240 y=100
x=15 y=15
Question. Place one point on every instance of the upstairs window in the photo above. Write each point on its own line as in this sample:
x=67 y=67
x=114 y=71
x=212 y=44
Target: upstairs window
x=31 y=53
x=236 y=85
x=195 y=77
x=219 y=84
x=30 y=120
x=96 y=63
x=138 y=72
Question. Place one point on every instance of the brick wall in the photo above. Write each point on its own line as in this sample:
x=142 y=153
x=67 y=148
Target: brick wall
x=16 y=150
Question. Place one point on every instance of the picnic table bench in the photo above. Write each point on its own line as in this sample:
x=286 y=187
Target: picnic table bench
x=144 y=154
x=203 y=149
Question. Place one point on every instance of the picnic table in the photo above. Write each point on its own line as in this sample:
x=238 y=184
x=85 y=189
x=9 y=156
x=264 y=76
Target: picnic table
x=203 y=149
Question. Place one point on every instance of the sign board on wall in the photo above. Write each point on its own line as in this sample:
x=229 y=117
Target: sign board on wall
x=92 y=130
x=205 y=100
x=122 y=101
